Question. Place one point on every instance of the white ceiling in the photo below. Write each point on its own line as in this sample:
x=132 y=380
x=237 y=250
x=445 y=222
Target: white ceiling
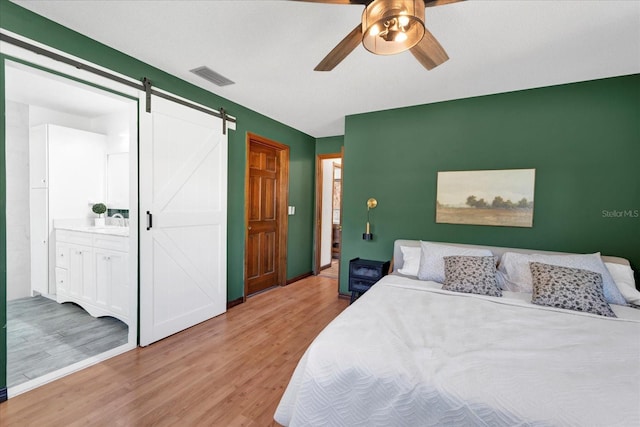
x=269 y=48
x=33 y=87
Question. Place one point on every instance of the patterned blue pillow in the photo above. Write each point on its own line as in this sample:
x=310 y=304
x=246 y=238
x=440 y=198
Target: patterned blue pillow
x=471 y=274
x=569 y=288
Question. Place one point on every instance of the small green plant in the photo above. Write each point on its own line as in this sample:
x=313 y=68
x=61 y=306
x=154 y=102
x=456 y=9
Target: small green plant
x=99 y=208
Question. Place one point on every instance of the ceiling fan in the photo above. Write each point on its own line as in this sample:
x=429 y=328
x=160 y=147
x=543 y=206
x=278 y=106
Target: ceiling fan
x=389 y=27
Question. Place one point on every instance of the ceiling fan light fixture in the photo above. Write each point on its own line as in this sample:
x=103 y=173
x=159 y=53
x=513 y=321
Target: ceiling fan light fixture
x=400 y=37
x=392 y=26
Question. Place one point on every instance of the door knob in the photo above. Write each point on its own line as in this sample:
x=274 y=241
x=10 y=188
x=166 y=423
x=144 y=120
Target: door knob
x=249 y=227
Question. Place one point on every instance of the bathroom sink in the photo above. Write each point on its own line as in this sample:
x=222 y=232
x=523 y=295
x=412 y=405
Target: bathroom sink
x=114 y=230
x=108 y=229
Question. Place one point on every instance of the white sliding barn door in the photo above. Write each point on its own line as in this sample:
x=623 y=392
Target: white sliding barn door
x=183 y=186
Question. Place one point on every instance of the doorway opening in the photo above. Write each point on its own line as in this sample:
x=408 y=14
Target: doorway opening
x=328 y=215
x=71 y=266
x=266 y=214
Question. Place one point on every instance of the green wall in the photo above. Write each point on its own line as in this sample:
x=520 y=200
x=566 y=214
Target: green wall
x=302 y=146
x=3 y=245
x=583 y=140
x=329 y=145
x=302 y=150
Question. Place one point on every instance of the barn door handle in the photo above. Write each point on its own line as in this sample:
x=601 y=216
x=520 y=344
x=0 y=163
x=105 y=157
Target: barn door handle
x=149 y=220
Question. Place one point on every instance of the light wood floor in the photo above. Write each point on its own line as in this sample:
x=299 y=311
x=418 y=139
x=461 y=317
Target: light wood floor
x=333 y=271
x=228 y=371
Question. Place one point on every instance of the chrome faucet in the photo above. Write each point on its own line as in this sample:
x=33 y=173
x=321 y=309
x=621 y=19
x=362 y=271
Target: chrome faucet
x=122 y=222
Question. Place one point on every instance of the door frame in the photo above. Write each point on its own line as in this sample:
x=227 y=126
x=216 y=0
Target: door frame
x=317 y=250
x=20 y=56
x=282 y=206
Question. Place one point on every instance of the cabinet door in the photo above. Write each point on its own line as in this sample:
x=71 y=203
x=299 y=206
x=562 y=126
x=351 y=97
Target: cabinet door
x=112 y=281
x=62 y=255
x=38 y=157
x=62 y=280
x=81 y=273
x=39 y=230
x=119 y=302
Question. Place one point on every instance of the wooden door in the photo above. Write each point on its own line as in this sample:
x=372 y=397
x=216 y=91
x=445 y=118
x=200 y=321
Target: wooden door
x=266 y=201
x=183 y=224
x=263 y=225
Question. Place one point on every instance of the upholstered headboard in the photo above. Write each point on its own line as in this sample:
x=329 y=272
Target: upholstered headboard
x=497 y=251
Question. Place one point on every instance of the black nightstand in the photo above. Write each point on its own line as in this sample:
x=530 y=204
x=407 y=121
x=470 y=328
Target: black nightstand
x=363 y=273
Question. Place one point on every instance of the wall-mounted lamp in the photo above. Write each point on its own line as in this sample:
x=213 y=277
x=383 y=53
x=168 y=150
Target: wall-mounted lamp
x=371 y=203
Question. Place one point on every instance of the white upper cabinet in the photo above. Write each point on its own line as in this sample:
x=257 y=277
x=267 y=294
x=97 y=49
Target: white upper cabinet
x=38 y=147
x=67 y=172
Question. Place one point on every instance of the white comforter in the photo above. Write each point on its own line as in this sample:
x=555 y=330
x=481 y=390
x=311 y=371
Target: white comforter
x=409 y=354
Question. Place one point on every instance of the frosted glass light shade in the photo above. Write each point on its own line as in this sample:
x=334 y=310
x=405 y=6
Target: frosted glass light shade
x=392 y=26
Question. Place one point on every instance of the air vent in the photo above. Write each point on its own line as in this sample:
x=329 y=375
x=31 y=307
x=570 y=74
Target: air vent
x=210 y=75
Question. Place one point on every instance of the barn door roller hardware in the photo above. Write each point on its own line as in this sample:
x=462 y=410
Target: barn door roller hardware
x=145 y=86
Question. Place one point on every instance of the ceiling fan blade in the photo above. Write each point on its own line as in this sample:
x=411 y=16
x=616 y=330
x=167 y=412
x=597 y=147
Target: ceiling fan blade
x=429 y=52
x=433 y=3
x=344 y=48
x=338 y=1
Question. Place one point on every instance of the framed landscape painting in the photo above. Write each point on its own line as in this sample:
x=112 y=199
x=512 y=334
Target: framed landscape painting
x=486 y=197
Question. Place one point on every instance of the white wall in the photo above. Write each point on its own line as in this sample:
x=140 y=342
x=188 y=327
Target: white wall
x=17 y=185
x=116 y=127
x=42 y=116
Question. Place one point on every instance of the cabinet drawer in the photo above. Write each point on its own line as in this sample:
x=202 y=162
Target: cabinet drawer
x=360 y=285
x=62 y=256
x=366 y=271
x=115 y=243
x=61 y=279
x=76 y=237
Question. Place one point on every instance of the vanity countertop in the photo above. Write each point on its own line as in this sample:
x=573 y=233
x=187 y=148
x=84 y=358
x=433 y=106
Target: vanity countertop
x=113 y=230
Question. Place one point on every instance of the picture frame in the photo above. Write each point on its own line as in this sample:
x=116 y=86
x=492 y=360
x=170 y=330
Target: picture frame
x=502 y=197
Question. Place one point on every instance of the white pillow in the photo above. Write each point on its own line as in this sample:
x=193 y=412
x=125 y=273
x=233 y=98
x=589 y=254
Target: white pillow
x=516 y=268
x=432 y=258
x=410 y=260
x=623 y=276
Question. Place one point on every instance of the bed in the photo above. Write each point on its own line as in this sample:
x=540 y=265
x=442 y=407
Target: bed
x=410 y=353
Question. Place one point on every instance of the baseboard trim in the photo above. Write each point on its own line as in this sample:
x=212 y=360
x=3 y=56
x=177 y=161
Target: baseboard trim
x=234 y=302
x=300 y=277
x=344 y=296
x=3 y=394
x=324 y=267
